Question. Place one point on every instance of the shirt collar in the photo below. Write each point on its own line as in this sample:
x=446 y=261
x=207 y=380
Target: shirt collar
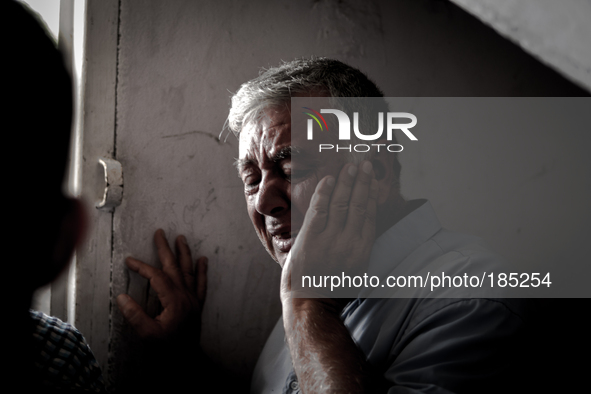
x=394 y=246
x=400 y=240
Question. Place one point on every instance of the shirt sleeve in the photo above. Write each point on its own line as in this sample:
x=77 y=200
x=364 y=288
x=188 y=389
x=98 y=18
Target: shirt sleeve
x=63 y=359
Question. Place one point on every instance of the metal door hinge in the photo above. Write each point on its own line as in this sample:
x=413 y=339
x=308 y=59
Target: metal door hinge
x=113 y=184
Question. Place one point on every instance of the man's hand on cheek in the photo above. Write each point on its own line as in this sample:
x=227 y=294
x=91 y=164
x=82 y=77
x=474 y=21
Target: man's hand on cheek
x=338 y=231
x=181 y=289
x=337 y=236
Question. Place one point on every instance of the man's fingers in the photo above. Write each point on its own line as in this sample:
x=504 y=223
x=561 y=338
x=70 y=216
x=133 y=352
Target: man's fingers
x=185 y=261
x=339 y=201
x=317 y=214
x=201 y=280
x=159 y=281
x=137 y=318
x=358 y=205
x=145 y=270
x=169 y=264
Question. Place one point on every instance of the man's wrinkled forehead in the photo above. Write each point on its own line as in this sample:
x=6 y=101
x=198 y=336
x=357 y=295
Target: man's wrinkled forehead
x=266 y=136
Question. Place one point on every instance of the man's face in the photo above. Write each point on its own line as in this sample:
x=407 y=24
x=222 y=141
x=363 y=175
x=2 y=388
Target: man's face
x=277 y=190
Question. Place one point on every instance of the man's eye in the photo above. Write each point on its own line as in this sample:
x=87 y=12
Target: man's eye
x=251 y=181
x=298 y=175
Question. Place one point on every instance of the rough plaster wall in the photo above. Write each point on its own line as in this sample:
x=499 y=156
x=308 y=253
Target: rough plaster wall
x=177 y=62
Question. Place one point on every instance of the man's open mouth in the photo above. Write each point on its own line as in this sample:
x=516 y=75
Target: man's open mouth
x=284 y=241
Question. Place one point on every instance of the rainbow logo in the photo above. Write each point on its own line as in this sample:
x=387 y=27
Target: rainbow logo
x=316 y=119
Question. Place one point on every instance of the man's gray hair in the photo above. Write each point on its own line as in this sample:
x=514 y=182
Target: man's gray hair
x=274 y=87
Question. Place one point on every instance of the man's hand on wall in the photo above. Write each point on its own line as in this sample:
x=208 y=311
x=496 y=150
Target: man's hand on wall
x=170 y=357
x=181 y=288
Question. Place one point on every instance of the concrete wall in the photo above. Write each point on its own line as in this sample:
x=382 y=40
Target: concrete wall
x=177 y=62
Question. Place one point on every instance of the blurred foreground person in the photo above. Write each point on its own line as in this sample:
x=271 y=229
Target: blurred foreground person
x=49 y=355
